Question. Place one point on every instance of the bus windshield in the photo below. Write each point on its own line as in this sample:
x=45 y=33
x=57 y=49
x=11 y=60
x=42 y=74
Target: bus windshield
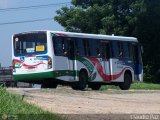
x=30 y=43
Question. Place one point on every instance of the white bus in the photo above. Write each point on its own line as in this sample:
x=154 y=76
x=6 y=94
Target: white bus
x=54 y=57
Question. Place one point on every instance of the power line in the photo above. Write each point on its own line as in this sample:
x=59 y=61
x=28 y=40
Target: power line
x=33 y=7
x=26 y=21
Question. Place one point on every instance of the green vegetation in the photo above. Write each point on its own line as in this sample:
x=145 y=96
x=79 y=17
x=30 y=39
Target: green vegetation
x=138 y=18
x=12 y=107
x=145 y=86
x=136 y=86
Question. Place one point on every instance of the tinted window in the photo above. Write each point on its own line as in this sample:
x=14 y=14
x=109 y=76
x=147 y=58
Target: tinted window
x=59 y=45
x=70 y=46
x=105 y=50
x=135 y=53
x=117 y=49
x=80 y=49
x=86 y=47
x=30 y=43
x=127 y=49
x=64 y=46
x=94 y=46
x=91 y=47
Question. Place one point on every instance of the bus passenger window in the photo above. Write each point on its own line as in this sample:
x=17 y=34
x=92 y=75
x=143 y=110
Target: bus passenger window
x=86 y=47
x=127 y=49
x=80 y=49
x=26 y=43
x=69 y=47
x=58 y=43
x=98 y=52
x=120 y=48
x=117 y=49
x=105 y=50
x=94 y=47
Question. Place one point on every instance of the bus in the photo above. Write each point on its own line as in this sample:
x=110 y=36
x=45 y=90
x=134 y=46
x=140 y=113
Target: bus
x=50 y=58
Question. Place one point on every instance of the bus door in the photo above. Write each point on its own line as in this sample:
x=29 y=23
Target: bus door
x=137 y=61
x=105 y=55
x=64 y=56
x=60 y=58
x=70 y=53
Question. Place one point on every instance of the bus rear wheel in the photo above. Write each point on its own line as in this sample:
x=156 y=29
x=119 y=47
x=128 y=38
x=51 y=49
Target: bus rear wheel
x=127 y=82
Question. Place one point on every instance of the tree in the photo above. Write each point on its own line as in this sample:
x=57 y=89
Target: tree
x=100 y=16
x=148 y=32
x=139 y=18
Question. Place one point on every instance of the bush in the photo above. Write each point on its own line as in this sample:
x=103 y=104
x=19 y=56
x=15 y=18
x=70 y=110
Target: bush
x=151 y=74
x=148 y=76
x=157 y=76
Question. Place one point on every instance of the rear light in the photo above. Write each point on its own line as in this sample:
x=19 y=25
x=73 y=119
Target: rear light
x=49 y=62
x=13 y=66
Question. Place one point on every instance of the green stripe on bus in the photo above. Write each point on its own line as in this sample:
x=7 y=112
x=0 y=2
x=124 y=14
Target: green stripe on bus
x=43 y=75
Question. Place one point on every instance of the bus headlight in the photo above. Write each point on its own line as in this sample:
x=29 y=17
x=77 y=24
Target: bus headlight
x=49 y=62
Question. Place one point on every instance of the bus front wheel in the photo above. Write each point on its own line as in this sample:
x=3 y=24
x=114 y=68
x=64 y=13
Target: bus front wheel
x=127 y=82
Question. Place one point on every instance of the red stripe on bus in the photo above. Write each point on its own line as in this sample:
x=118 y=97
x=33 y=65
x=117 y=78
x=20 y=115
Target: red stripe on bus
x=25 y=65
x=106 y=77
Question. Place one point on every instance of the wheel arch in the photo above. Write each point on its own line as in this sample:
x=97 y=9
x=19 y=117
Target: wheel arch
x=129 y=73
x=83 y=70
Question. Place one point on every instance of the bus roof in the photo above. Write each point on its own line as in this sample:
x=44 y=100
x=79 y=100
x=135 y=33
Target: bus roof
x=84 y=35
x=95 y=36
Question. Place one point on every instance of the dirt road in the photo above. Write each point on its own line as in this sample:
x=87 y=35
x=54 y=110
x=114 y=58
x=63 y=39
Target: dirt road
x=64 y=100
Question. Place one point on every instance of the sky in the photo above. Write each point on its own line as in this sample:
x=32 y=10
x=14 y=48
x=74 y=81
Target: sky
x=7 y=30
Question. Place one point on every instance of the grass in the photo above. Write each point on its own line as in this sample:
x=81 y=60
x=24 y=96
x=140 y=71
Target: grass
x=12 y=107
x=145 y=86
x=136 y=86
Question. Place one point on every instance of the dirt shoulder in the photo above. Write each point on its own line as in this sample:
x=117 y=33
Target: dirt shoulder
x=64 y=100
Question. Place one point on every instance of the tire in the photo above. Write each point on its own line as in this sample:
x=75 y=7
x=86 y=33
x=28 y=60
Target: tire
x=83 y=78
x=82 y=83
x=127 y=82
x=95 y=86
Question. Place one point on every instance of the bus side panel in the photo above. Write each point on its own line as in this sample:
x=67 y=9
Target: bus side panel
x=88 y=64
x=61 y=68
x=118 y=68
x=98 y=72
